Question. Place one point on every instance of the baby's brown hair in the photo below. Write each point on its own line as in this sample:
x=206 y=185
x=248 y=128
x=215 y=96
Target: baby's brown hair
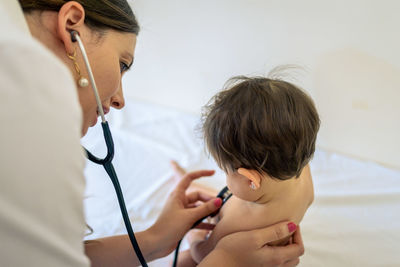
x=268 y=125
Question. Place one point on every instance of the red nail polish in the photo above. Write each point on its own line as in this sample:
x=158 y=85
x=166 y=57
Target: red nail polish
x=218 y=202
x=292 y=227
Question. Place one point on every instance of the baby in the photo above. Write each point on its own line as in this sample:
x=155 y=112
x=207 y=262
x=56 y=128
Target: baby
x=262 y=133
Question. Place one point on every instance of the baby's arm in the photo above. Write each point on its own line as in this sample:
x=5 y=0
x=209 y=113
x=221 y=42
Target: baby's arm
x=201 y=247
x=185 y=259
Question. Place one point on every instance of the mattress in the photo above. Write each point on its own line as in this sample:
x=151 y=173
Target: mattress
x=354 y=220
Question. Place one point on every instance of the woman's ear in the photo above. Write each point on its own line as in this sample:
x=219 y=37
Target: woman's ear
x=253 y=176
x=71 y=17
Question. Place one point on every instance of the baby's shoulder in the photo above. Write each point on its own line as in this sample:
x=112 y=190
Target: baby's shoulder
x=240 y=215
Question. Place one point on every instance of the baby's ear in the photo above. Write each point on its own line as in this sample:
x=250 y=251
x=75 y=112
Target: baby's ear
x=253 y=176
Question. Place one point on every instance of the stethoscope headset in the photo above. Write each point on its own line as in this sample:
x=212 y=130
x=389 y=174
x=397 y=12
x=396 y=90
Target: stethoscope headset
x=108 y=166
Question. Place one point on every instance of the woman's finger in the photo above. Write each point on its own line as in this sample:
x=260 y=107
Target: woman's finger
x=297 y=239
x=205 y=226
x=288 y=253
x=195 y=196
x=189 y=177
x=273 y=233
x=206 y=208
x=178 y=170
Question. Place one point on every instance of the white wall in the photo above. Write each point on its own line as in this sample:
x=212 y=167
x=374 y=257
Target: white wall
x=349 y=49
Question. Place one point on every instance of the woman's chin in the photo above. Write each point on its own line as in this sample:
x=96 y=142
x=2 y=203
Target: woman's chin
x=85 y=127
x=84 y=130
x=87 y=124
x=94 y=122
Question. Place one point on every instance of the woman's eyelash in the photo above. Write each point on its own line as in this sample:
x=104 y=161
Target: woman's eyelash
x=123 y=66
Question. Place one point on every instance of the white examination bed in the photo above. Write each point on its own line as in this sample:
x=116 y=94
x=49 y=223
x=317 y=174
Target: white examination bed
x=354 y=221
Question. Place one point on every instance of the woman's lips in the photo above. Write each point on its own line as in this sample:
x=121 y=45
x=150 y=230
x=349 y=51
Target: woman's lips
x=105 y=110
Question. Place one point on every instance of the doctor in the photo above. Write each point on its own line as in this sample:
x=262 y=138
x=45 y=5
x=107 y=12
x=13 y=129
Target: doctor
x=46 y=105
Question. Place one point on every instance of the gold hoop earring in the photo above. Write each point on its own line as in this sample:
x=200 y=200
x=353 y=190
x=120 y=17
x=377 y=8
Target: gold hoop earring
x=82 y=81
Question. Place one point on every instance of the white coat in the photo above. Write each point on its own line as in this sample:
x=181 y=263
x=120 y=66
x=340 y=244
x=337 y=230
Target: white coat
x=41 y=161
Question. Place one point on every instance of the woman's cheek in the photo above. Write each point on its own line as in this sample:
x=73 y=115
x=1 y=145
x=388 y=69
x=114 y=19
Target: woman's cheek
x=110 y=81
x=116 y=80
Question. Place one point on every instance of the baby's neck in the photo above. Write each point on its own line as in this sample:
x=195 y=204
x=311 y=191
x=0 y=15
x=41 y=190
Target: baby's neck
x=275 y=190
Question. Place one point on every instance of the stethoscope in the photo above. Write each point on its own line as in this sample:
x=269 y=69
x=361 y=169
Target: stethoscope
x=108 y=166
x=107 y=161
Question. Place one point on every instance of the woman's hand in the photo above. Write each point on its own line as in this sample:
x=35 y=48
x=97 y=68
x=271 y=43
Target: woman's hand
x=181 y=212
x=249 y=248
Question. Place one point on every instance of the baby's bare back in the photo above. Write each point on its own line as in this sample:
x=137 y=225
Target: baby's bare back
x=239 y=215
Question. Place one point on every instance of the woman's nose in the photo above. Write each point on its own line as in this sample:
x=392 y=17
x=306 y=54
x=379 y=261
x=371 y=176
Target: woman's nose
x=118 y=101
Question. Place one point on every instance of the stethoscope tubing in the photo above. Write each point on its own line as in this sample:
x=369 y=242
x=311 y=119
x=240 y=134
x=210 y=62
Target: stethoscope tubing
x=107 y=161
x=75 y=37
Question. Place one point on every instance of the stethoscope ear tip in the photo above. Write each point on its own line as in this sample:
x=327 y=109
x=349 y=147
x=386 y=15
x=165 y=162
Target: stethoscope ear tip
x=73 y=35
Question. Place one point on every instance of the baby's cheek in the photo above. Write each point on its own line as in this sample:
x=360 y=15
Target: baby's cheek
x=240 y=188
x=228 y=183
x=233 y=185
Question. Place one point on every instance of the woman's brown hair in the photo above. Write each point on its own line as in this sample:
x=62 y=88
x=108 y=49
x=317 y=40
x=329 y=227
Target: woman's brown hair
x=268 y=125
x=99 y=14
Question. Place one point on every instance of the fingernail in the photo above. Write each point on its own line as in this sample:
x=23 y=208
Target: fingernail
x=292 y=227
x=218 y=202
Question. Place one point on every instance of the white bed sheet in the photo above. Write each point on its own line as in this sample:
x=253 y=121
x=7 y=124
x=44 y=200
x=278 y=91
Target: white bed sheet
x=354 y=221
